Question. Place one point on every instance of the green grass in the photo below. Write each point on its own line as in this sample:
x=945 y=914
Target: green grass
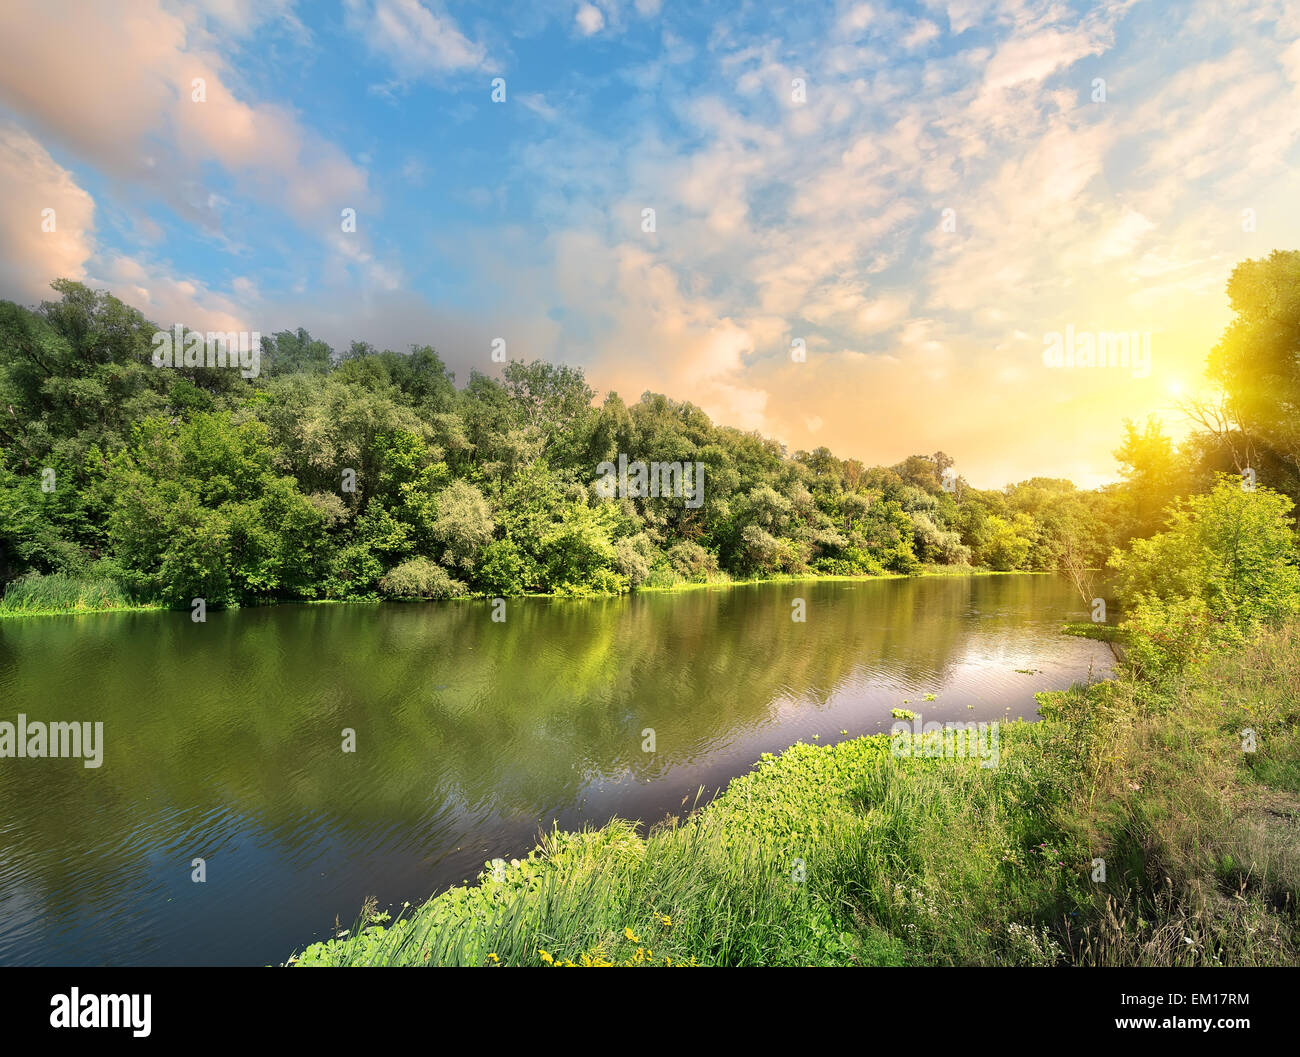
x=840 y=855
x=58 y=593
x=849 y=855
x=723 y=580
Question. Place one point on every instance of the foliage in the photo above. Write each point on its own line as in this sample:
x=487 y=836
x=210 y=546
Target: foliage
x=1226 y=565
x=419 y=578
x=328 y=472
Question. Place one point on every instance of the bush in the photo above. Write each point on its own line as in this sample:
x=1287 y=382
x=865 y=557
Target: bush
x=632 y=561
x=933 y=544
x=419 y=578
x=505 y=569
x=354 y=572
x=1225 y=566
x=691 y=562
x=847 y=567
x=601 y=582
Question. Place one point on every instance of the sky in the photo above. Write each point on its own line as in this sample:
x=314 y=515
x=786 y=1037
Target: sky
x=868 y=221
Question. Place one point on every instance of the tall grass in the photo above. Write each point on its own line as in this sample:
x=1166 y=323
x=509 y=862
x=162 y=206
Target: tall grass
x=58 y=592
x=606 y=897
x=822 y=856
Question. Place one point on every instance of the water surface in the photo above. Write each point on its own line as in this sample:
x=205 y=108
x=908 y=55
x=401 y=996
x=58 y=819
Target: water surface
x=223 y=740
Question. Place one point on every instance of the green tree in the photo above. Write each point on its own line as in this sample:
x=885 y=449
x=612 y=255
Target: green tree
x=1226 y=564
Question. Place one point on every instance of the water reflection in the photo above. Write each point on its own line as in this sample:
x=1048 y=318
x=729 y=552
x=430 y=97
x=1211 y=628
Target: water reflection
x=223 y=740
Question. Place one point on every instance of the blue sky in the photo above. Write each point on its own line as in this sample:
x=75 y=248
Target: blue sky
x=799 y=159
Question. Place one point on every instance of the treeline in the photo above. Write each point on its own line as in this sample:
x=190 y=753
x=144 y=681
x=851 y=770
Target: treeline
x=364 y=474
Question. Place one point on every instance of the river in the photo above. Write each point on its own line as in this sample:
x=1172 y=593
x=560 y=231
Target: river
x=224 y=740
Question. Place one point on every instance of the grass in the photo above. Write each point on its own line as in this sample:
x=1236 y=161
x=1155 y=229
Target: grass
x=850 y=855
x=723 y=580
x=58 y=593
x=1200 y=834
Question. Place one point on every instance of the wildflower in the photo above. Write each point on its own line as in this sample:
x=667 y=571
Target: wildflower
x=494 y=959
x=668 y=921
x=545 y=956
x=631 y=936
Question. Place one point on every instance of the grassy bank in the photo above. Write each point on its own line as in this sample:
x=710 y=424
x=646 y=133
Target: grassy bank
x=723 y=580
x=849 y=855
x=58 y=595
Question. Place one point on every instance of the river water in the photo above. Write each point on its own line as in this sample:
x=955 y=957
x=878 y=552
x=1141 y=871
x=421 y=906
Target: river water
x=224 y=741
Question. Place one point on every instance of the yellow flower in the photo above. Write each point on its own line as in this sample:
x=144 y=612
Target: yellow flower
x=493 y=958
x=546 y=957
x=631 y=936
x=668 y=922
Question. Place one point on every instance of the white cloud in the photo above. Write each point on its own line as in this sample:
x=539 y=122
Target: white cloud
x=417 y=40
x=589 y=19
x=119 y=93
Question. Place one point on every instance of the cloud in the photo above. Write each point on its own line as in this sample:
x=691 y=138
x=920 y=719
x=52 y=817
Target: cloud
x=921 y=33
x=536 y=102
x=777 y=219
x=418 y=41
x=30 y=183
x=165 y=299
x=589 y=19
x=822 y=221
x=120 y=93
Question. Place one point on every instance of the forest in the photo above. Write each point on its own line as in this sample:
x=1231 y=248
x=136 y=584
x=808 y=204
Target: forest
x=361 y=474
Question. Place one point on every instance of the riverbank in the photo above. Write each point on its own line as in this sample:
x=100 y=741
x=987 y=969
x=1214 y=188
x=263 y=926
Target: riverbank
x=60 y=595
x=81 y=606
x=78 y=611
x=1131 y=826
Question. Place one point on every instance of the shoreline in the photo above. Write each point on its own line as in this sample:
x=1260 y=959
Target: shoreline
x=858 y=854
x=932 y=572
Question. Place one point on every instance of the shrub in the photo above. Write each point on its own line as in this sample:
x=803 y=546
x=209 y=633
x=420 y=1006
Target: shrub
x=632 y=561
x=691 y=562
x=1226 y=565
x=419 y=578
x=505 y=570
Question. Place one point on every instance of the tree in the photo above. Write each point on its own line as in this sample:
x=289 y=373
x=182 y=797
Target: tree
x=295 y=352
x=1152 y=476
x=1008 y=542
x=1257 y=364
x=463 y=525
x=1226 y=564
